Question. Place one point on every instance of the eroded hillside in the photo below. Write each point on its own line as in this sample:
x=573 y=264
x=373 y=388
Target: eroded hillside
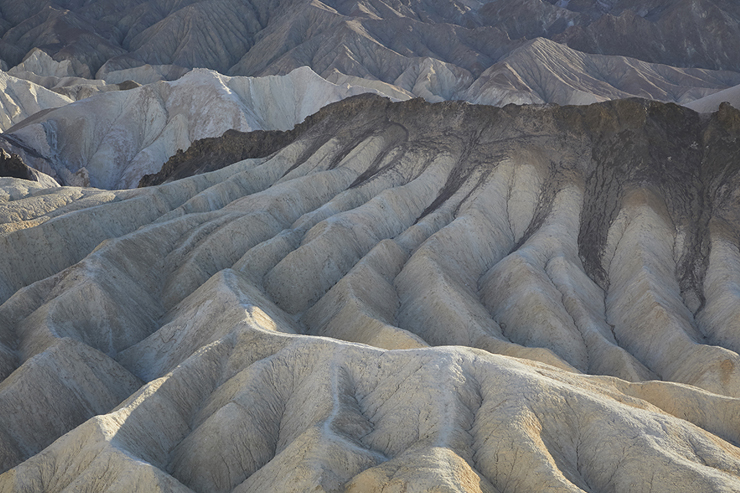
x=482 y=51
x=408 y=295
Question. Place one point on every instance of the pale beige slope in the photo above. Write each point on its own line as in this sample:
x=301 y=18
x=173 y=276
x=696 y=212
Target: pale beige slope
x=710 y=103
x=39 y=62
x=518 y=232
x=70 y=382
x=65 y=229
x=434 y=80
x=61 y=77
x=308 y=223
x=543 y=71
x=261 y=412
x=20 y=99
x=390 y=90
x=117 y=137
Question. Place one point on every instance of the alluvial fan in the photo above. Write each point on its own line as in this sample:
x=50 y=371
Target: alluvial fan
x=406 y=297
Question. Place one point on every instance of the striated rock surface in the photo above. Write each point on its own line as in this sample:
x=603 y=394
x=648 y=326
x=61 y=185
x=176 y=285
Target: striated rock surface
x=118 y=137
x=685 y=33
x=114 y=140
x=543 y=71
x=20 y=99
x=61 y=78
x=191 y=33
x=432 y=48
x=408 y=296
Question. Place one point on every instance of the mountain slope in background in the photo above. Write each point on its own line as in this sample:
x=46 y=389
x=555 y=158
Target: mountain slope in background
x=542 y=71
x=363 y=38
x=114 y=139
x=582 y=254
x=20 y=99
x=711 y=103
x=346 y=277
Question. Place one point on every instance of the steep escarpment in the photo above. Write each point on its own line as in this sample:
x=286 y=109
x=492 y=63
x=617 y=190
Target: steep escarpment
x=508 y=299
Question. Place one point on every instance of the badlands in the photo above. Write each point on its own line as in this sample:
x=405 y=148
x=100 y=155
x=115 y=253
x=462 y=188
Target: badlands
x=285 y=59
x=119 y=133
x=369 y=246
x=407 y=297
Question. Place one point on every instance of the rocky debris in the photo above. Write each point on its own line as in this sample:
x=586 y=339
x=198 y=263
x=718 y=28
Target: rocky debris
x=506 y=299
x=522 y=78
x=214 y=153
x=147 y=126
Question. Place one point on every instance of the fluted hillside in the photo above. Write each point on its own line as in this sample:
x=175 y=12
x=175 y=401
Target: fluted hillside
x=20 y=99
x=408 y=296
x=667 y=50
x=112 y=140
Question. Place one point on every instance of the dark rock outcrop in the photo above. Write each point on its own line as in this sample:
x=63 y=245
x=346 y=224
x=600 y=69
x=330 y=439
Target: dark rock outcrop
x=12 y=166
x=214 y=153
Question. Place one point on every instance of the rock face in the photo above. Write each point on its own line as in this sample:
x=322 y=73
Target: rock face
x=12 y=166
x=214 y=153
x=581 y=260
x=118 y=137
x=115 y=139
